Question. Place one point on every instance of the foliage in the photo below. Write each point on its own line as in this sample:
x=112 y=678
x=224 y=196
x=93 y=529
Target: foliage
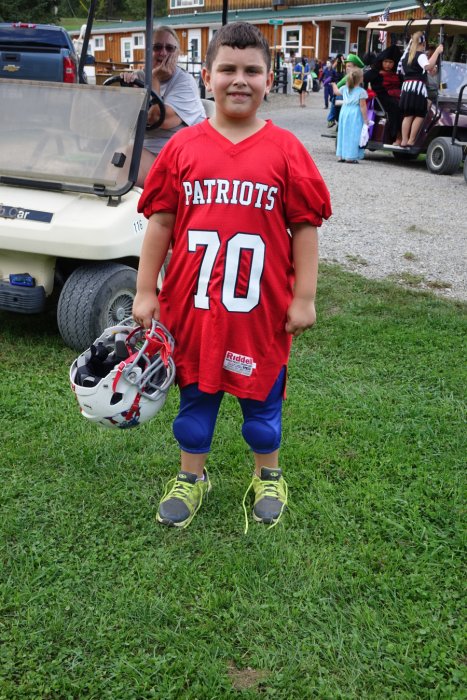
x=453 y=9
x=357 y=594
x=50 y=11
x=454 y=47
x=112 y=9
x=28 y=11
x=138 y=8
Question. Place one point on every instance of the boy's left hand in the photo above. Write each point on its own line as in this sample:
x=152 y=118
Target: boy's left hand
x=301 y=315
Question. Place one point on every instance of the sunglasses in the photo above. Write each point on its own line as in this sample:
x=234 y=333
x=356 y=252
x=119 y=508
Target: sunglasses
x=170 y=48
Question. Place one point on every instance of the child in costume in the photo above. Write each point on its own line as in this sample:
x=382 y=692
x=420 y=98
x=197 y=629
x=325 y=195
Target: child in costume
x=352 y=61
x=415 y=65
x=385 y=82
x=352 y=117
x=239 y=200
x=328 y=76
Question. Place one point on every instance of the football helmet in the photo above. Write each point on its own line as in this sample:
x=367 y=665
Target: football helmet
x=122 y=380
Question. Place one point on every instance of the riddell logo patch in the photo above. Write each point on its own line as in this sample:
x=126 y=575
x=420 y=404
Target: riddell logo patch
x=240 y=364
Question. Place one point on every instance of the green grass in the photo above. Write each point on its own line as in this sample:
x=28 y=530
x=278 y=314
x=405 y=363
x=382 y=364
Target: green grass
x=358 y=593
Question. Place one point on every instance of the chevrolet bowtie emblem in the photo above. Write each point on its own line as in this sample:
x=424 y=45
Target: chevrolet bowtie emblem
x=11 y=68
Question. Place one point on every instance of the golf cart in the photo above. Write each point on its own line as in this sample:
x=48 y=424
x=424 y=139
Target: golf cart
x=443 y=134
x=457 y=139
x=70 y=233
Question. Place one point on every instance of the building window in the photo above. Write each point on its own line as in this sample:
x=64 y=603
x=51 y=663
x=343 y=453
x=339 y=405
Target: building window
x=175 y=4
x=292 y=39
x=138 y=41
x=98 y=43
x=339 y=39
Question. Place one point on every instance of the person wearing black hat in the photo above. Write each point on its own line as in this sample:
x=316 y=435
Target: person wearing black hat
x=386 y=83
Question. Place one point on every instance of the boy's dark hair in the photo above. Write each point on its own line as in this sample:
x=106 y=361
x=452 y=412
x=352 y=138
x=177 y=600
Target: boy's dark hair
x=238 y=35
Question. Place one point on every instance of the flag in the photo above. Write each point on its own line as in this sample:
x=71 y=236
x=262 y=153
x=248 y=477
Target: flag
x=383 y=18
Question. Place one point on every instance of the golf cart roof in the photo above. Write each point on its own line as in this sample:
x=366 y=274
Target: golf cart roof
x=450 y=27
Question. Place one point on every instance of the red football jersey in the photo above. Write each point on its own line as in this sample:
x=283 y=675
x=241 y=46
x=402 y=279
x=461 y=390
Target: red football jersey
x=229 y=282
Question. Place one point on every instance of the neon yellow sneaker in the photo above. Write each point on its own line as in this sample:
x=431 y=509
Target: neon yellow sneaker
x=271 y=493
x=182 y=499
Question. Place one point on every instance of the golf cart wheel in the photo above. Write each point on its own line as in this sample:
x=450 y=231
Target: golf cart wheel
x=93 y=298
x=442 y=157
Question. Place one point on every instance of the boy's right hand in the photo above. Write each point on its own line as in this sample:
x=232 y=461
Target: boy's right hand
x=146 y=308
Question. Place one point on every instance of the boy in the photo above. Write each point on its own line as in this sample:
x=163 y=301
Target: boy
x=223 y=193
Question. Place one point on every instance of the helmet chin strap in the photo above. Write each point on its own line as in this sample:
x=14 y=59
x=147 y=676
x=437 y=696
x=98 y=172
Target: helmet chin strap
x=134 y=408
x=156 y=345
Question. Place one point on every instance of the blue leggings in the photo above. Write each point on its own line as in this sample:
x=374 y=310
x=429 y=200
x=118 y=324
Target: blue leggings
x=262 y=420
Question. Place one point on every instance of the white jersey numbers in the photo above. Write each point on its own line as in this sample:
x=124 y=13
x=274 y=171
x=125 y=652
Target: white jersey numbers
x=210 y=241
x=236 y=246
x=244 y=252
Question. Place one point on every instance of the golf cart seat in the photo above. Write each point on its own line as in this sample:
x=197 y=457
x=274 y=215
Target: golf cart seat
x=209 y=107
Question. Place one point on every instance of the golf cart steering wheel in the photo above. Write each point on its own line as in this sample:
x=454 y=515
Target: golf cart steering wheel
x=155 y=99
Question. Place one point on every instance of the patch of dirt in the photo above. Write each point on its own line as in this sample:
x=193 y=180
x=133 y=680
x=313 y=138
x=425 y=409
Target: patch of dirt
x=245 y=678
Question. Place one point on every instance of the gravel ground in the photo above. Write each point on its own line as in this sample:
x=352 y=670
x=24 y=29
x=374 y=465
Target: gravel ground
x=391 y=220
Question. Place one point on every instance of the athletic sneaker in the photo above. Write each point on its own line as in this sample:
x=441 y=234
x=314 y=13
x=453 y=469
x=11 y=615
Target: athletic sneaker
x=270 y=497
x=182 y=499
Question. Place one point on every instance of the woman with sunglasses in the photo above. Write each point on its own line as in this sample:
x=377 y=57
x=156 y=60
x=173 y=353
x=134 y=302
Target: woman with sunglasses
x=178 y=89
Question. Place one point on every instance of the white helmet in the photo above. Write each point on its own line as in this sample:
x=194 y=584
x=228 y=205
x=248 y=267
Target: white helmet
x=122 y=380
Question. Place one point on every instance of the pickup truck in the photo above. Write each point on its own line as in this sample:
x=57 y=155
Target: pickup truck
x=37 y=52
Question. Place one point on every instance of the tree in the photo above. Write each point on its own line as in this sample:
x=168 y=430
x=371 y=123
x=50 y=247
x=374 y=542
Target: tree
x=455 y=46
x=137 y=8
x=28 y=11
x=452 y=9
x=111 y=9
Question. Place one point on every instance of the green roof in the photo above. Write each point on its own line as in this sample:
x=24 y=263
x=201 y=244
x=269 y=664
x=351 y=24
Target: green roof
x=362 y=8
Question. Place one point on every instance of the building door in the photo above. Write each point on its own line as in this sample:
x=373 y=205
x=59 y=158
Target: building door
x=361 y=42
x=126 y=50
x=194 y=45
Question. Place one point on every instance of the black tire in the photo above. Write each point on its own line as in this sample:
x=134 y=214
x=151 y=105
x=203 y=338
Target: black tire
x=443 y=157
x=93 y=298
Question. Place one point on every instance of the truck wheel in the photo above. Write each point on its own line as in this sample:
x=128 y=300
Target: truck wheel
x=93 y=298
x=442 y=157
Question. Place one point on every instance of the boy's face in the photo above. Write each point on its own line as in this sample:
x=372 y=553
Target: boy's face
x=239 y=80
